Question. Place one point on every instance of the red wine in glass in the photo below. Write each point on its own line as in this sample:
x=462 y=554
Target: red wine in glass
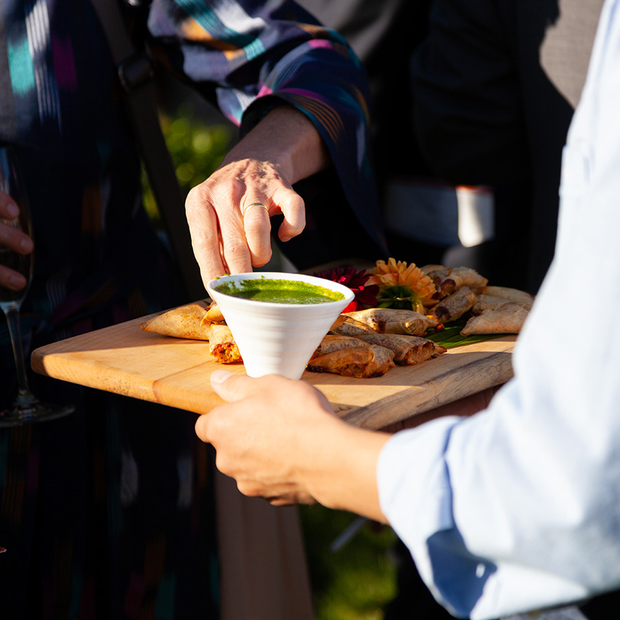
x=26 y=407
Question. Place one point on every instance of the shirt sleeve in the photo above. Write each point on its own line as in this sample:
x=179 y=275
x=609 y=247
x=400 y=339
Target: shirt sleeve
x=516 y=508
x=248 y=57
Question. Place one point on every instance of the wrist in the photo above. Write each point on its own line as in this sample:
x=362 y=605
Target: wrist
x=286 y=139
x=340 y=468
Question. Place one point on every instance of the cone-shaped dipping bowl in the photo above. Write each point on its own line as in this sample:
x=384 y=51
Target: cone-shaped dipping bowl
x=275 y=337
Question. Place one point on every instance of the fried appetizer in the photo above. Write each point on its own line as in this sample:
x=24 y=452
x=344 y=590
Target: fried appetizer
x=428 y=269
x=362 y=362
x=392 y=321
x=222 y=345
x=182 y=322
x=213 y=314
x=505 y=319
x=338 y=322
x=331 y=343
x=454 y=306
x=351 y=327
x=408 y=350
x=487 y=302
x=507 y=294
x=447 y=280
x=464 y=276
x=440 y=276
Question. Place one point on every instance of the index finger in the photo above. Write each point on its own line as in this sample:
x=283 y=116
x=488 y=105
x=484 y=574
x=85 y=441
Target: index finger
x=204 y=231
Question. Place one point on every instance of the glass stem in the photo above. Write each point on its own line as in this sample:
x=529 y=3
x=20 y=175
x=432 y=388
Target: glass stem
x=12 y=319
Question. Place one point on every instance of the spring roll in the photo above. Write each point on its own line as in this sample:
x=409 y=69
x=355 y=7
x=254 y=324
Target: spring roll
x=428 y=269
x=450 y=279
x=182 y=322
x=507 y=294
x=331 y=343
x=464 y=276
x=351 y=327
x=454 y=306
x=222 y=345
x=392 y=321
x=505 y=319
x=362 y=362
x=408 y=350
x=440 y=276
x=338 y=322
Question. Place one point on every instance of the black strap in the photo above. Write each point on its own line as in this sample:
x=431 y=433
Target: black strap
x=135 y=73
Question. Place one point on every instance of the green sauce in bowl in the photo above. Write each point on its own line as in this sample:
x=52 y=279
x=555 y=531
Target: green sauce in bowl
x=279 y=291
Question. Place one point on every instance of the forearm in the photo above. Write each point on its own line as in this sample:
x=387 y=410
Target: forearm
x=339 y=469
x=288 y=140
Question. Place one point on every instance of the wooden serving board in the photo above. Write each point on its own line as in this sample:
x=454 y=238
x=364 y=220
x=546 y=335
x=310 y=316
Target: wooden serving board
x=127 y=360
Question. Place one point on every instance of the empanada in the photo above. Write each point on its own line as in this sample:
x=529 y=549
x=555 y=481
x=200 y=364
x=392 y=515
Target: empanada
x=505 y=319
x=181 y=322
x=507 y=294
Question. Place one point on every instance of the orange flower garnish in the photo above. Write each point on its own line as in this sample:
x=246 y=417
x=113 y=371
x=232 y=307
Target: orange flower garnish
x=402 y=286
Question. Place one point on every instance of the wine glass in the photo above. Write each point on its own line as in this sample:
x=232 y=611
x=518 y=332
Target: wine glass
x=26 y=407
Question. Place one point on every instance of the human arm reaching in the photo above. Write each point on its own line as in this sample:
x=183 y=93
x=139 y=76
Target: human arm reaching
x=225 y=210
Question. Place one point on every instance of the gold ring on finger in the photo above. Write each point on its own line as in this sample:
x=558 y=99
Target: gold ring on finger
x=255 y=204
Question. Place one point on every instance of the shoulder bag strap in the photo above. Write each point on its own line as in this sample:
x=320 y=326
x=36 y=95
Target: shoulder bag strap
x=135 y=73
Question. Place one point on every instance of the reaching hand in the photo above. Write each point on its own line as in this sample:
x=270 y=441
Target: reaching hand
x=228 y=214
x=11 y=239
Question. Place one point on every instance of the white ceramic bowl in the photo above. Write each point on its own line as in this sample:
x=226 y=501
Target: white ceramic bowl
x=278 y=338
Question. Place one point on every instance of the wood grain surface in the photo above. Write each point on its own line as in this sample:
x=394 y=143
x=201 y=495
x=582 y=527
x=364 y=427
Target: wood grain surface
x=126 y=360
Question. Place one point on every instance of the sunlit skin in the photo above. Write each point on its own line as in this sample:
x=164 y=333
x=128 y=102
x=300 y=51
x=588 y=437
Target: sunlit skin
x=14 y=240
x=279 y=439
x=282 y=149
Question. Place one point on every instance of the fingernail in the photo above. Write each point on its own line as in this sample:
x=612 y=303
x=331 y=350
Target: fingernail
x=26 y=244
x=17 y=282
x=219 y=376
x=12 y=210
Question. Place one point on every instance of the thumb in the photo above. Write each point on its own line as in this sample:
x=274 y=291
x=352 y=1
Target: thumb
x=232 y=387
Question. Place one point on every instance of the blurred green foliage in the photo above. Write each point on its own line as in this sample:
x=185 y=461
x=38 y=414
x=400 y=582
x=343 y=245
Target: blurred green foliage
x=355 y=582
x=196 y=147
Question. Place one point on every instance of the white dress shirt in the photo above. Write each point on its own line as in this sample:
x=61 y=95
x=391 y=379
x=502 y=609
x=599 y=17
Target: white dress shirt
x=518 y=507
